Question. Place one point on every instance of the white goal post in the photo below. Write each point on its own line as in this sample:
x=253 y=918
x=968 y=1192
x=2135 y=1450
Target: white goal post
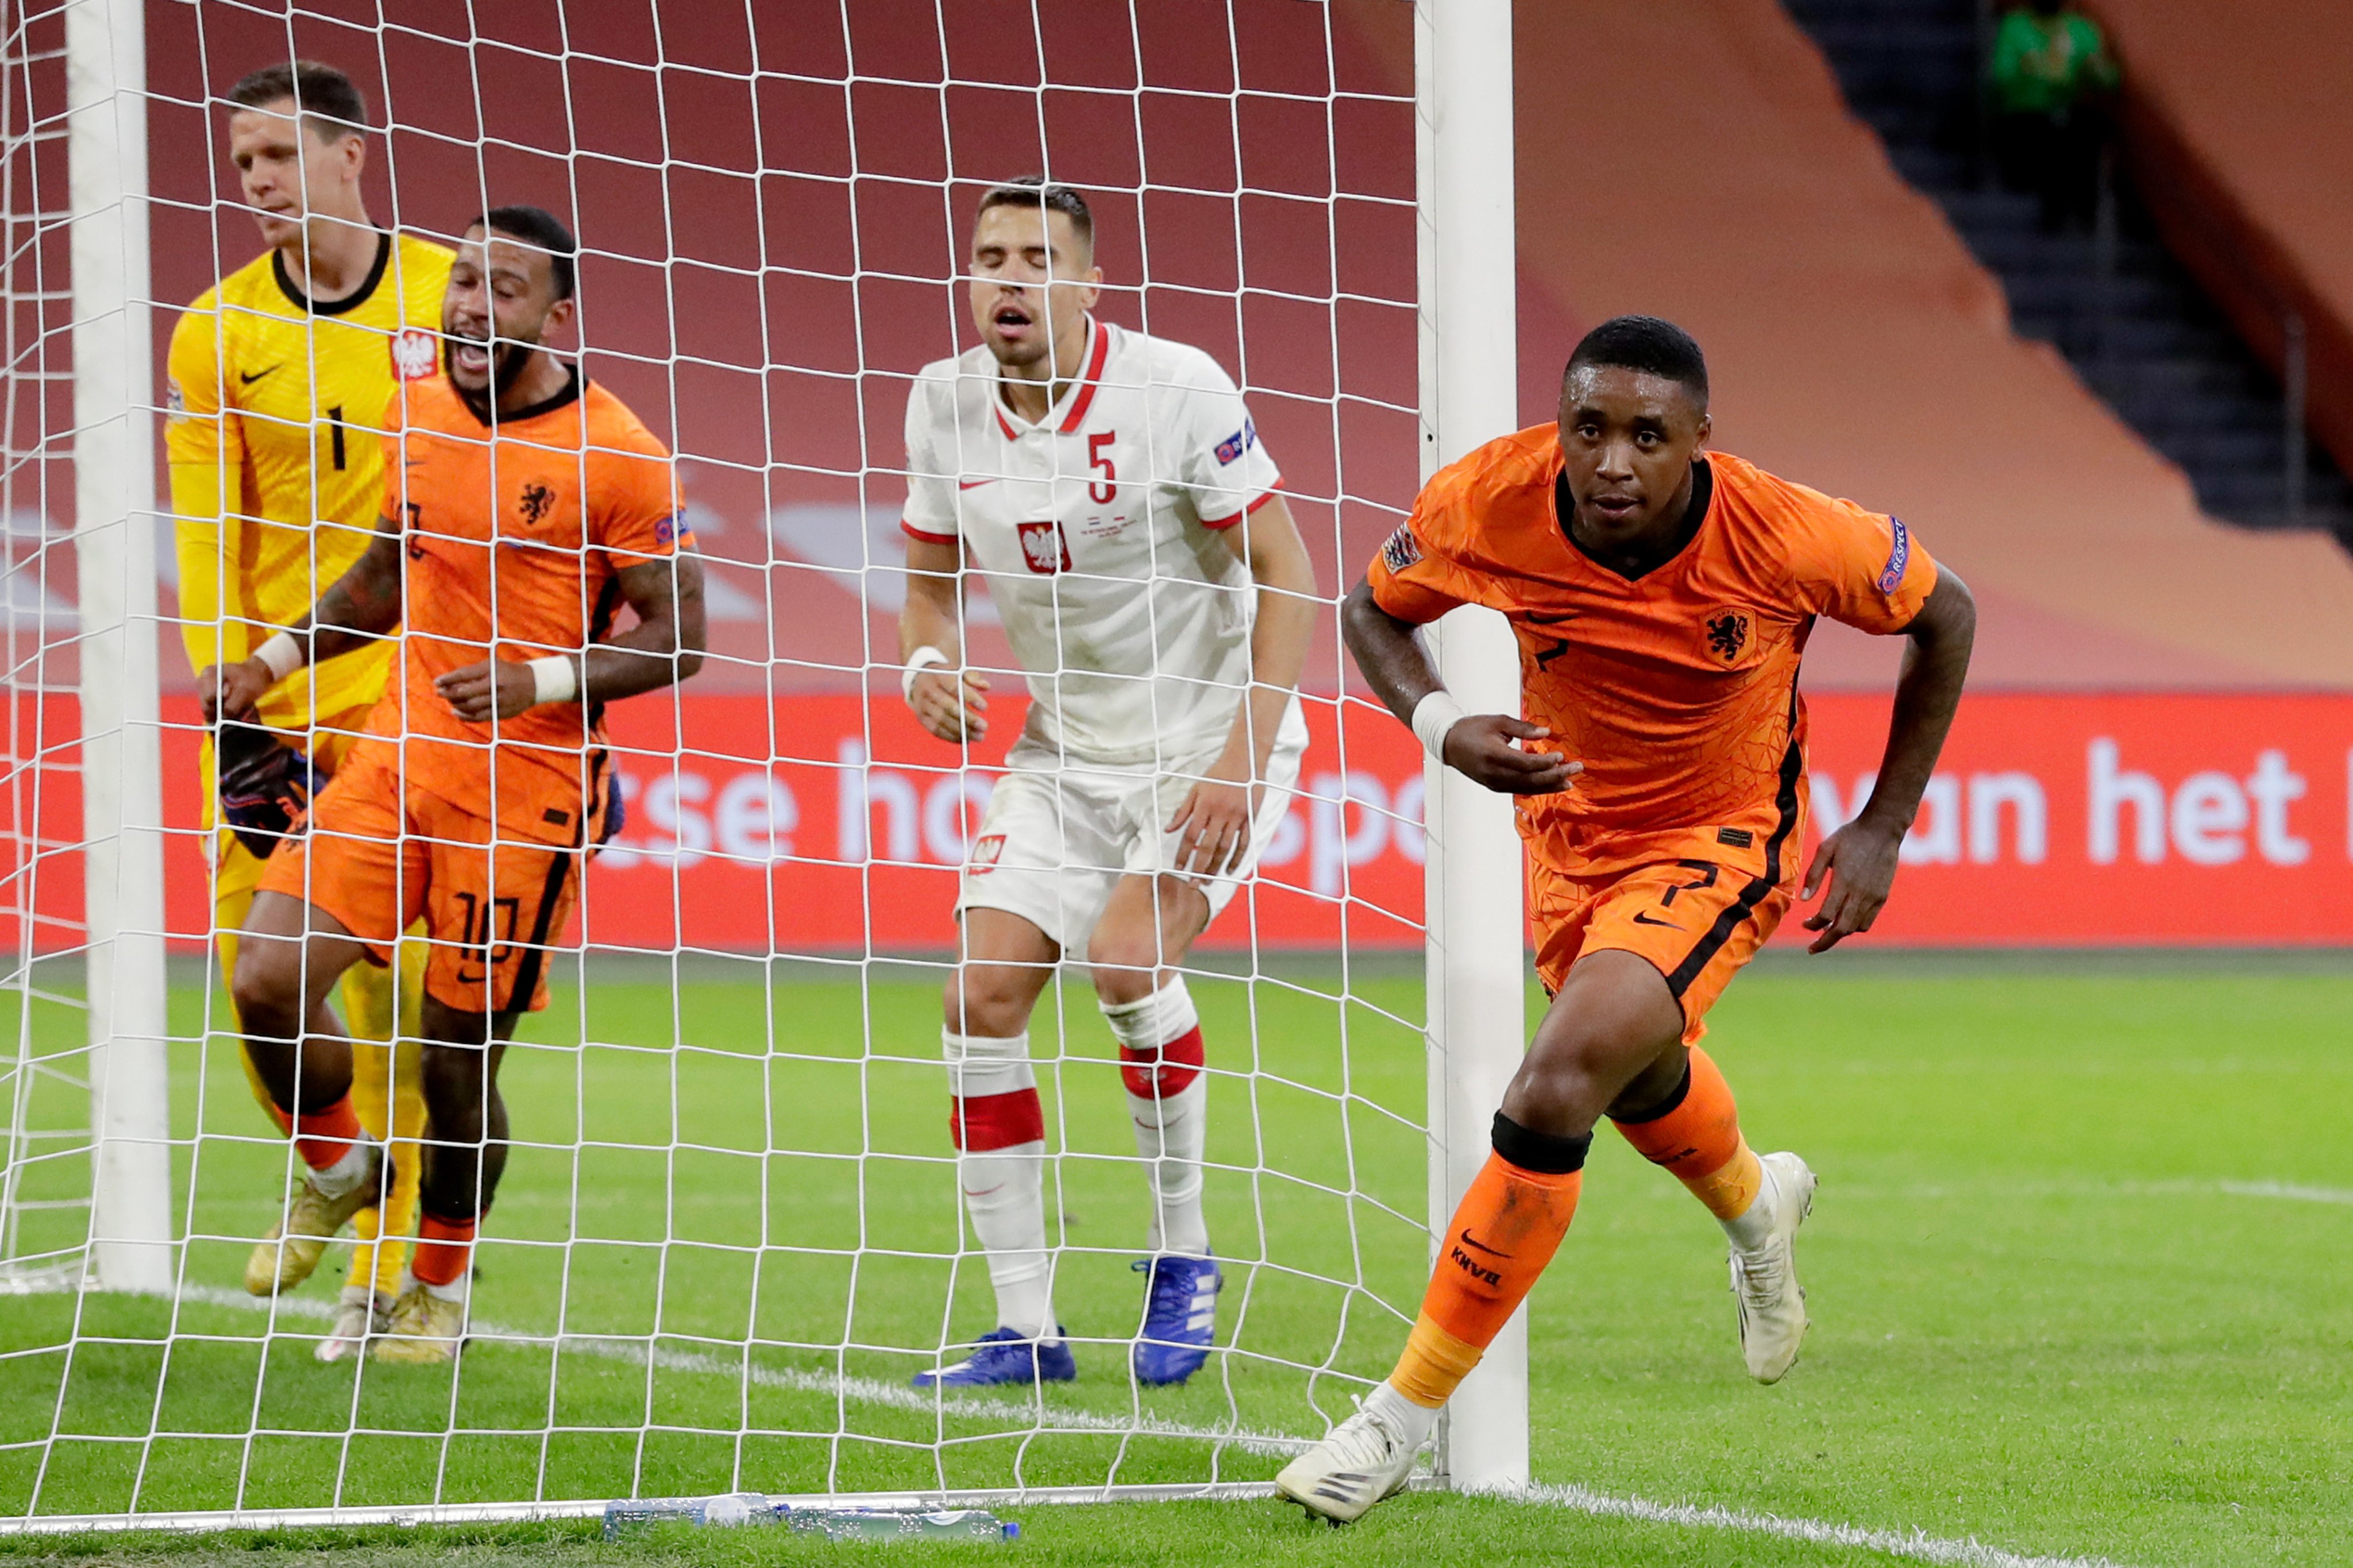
x=145 y=1217
x=1470 y=394
x=121 y=752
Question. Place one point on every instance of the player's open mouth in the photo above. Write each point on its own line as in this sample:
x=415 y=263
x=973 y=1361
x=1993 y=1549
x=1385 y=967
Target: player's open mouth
x=1617 y=509
x=1010 y=319
x=470 y=357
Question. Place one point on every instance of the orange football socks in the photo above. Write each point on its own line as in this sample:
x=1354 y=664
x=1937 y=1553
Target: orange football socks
x=1504 y=1234
x=324 y=1137
x=444 y=1248
x=1696 y=1137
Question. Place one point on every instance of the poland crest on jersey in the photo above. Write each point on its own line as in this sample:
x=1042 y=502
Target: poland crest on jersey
x=1108 y=534
x=416 y=354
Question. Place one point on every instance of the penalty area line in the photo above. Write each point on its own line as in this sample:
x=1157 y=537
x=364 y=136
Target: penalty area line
x=2291 y=1191
x=836 y=1385
x=1917 y=1545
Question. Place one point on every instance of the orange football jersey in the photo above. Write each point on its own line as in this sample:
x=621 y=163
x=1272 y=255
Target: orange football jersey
x=513 y=545
x=1677 y=690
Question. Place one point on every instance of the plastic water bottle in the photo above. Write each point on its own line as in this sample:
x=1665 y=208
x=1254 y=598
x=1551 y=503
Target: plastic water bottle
x=733 y=1510
x=879 y=1524
x=726 y=1510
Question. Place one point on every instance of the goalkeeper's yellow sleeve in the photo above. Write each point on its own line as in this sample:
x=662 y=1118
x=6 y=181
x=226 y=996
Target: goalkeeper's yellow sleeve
x=212 y=610
x=205 y=447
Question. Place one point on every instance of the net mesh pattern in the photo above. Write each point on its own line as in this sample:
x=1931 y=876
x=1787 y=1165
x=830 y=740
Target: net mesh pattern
x=729 y=1229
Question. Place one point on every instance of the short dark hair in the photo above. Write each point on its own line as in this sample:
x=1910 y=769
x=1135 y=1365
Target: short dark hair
x=1644 y=343
x=1037 y=191
x=322 y=95
x=542 y=230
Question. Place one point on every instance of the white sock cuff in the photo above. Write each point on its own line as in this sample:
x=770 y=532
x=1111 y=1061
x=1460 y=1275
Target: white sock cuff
x=1033 y=1150
x=1166 y=1014
x=981 y=1064
x=348 y=1170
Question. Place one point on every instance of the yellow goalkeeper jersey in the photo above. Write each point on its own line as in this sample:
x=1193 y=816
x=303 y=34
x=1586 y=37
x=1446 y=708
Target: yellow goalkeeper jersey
x=277 y=464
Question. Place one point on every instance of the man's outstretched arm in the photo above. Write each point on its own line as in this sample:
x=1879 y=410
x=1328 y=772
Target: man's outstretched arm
x=1476 y=746
x=1859 y=859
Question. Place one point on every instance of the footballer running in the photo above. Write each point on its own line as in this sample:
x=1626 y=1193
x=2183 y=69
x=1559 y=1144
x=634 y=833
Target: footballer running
x=522 y=506
x=1662 y=596
x=1111 y=490
x=280 y=375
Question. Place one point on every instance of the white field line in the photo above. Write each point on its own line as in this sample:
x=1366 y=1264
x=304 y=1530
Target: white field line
x=1915 y=1545
x=2287 y=1190
x=858 y=1390
x=2185 y=1188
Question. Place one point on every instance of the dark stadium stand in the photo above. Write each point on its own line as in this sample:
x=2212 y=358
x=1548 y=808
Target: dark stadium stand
x=2137 y=326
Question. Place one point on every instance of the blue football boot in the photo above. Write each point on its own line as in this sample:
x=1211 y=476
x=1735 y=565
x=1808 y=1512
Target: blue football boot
x=1180 y=1318
x=1006 y=1357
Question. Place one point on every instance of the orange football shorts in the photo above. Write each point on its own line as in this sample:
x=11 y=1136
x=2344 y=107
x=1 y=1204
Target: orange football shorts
x=1696 y=921
x=377 y=858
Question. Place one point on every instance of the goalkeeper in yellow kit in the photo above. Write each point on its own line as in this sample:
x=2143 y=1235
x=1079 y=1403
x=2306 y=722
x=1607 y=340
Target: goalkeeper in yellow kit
x=280 y=377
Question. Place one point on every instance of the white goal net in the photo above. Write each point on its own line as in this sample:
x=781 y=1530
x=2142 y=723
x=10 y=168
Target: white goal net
x=730 y=1234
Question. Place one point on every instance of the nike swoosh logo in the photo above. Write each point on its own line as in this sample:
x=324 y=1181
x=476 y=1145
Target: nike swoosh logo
x=250 y=377
x=973 y=484
x=1479 y=1246
x=1642 y=918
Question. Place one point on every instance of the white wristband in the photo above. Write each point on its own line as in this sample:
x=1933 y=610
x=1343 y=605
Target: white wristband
x=283 y=654
x=1433 y=716
x=922 y=659
x=555 y=678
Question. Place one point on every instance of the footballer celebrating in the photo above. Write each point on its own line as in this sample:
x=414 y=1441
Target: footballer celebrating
x=1111 y=490
x=280 y=375
x=522 y=506
x=1662 y=596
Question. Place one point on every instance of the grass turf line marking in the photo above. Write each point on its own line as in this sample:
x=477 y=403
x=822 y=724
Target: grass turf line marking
x=859 y=1390
x=2294 y=1191
x=1917 y=1545
x=2288 y=1190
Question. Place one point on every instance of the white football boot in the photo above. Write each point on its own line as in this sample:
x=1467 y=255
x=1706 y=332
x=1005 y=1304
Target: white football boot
x=1764 y=1277
x=1365 y=1459
x=361 y=1313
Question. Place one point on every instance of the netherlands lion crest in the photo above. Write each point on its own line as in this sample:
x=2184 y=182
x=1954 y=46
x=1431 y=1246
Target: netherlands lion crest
x=535 y=502
x=1727 y=635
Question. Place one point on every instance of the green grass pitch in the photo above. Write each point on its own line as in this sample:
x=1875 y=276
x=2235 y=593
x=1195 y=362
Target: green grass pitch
x=2079 y=1275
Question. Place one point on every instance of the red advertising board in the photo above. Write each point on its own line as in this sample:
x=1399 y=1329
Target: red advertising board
x=831 y=823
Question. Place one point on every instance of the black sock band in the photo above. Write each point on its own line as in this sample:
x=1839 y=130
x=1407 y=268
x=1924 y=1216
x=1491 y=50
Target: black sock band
x=1671 y=1103
x=1533 y=1150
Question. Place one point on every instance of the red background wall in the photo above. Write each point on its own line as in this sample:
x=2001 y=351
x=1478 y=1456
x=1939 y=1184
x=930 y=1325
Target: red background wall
x=771 y=204
x=2069 y=820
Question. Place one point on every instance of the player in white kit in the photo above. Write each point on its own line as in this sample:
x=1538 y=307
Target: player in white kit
x=1110 y=490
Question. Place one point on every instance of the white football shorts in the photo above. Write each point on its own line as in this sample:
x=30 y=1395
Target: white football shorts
x=1059 y=835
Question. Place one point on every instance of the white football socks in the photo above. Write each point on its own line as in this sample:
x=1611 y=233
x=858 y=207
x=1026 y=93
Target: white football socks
x=1752 y=1228
x=1171 y=1132
x=1003 y=1192
x=1004 y=1187
x=1401 y=1414
x=347 y=1172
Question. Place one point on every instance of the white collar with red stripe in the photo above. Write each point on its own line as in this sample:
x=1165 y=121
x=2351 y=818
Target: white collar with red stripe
x=1070 y=412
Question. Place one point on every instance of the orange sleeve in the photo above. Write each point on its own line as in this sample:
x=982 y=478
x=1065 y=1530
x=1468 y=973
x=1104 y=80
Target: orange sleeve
x=1416 y=575
x=637 y=512
x=1864 y=568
